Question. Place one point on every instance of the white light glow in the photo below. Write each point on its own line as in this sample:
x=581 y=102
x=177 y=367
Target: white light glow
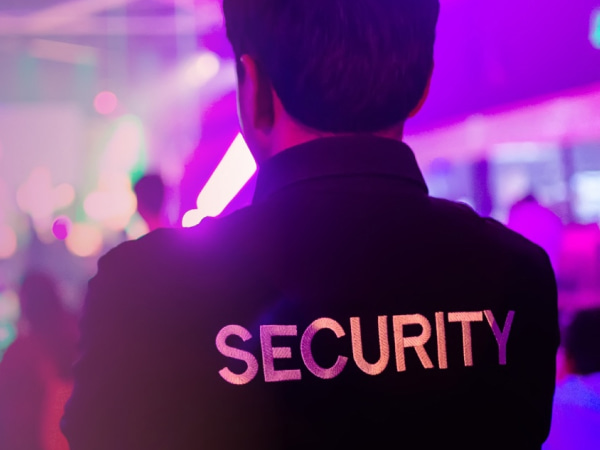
x=8 y=242
x=64 y=195
x=84 y=240
x=9 y=306
x=201 y=69
x=113 y=207
x=35 y=196
x=233 y=172
x=136 y=229
x=126 y=145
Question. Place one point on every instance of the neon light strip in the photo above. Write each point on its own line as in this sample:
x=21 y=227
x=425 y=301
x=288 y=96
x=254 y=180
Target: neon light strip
x=231 y=175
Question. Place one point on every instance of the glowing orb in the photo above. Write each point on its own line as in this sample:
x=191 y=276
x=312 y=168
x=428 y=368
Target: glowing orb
x=106 y=102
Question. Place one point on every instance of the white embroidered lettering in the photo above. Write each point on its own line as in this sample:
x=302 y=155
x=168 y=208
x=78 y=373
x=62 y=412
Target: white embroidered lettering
x=418 y=342
x=440 y=330
x=357 y=348
x=306 y=350
x=466 y=318
x=500 y=335
x=270 y=353
x=235 y=353
x=402 y=325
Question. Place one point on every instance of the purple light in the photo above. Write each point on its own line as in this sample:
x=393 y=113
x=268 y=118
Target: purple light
x=61 y=228
x=106 y=102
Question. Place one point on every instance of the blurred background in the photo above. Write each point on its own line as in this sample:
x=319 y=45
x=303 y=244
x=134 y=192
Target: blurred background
x=96 y=93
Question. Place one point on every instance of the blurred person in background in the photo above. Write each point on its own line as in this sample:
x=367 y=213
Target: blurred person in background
x=579 y=268
x=576 y=413
x=538 y=224
x=345 y=308
x=150 y=194
x=35 y=373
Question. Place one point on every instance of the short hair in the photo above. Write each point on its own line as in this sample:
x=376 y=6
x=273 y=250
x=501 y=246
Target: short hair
x=150 y=193
x=582 y=341
x=340 y=66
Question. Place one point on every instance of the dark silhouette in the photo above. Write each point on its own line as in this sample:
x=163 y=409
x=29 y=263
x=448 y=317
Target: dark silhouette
x=539 y=224
x=35 y=373
x=345 y=308
x=150 y=194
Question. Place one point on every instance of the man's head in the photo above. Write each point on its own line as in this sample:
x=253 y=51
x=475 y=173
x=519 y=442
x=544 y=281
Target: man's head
x=150 y=194
x=327 y=67
x=583 y=341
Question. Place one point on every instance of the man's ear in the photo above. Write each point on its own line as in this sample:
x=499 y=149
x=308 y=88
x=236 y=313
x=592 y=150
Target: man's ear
x=418 y=108
x=258 y=96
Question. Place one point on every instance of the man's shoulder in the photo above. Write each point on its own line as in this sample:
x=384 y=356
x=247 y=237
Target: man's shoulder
x=176 y=244
x=487 y=231
x=207 y=255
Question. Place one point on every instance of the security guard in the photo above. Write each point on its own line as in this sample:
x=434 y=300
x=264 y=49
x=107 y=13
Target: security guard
x=345 y=308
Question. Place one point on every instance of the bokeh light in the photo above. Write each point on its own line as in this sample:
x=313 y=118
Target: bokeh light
x=61 y=227
x=8 y=242
x=201 y=68
x=113 y=203
x=64 y=195
x=35 y=196
x=84 y=240
x=8 y=334
x=126 y=145
x=136 y=229
x=9 y=306
x=106 y=102
x=38 y=198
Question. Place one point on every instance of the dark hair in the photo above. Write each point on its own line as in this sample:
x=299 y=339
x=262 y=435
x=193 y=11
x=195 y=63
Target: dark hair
x=41 y=305
x=150 y=193
x=339 y=65
x=582 y=343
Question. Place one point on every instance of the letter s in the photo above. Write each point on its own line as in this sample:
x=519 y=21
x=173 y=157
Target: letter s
x=236 y=353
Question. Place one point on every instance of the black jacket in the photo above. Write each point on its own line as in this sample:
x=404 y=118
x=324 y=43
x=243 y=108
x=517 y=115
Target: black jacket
x=344 y=309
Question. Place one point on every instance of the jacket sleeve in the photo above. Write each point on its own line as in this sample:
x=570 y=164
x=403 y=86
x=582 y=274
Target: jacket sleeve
x=91 y=413
x=108 y=374
x=537 y=336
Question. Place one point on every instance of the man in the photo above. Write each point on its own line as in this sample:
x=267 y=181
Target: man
x=150 y=195
x=577 y=403
x=345 y=308
x=539 y=224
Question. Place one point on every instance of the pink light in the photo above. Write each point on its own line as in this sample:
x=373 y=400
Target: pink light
x=8 y=242
x=61 y=228
x=84 y=240
x=231 y=175
x=106 y=102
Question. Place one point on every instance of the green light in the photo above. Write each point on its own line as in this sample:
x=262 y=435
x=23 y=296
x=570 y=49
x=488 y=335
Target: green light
x=8 y=334
x=595 y=29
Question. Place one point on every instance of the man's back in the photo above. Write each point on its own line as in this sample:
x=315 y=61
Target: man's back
x=344 y=308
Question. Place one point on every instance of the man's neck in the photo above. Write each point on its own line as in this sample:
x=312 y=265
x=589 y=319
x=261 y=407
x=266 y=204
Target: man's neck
x=293 y=134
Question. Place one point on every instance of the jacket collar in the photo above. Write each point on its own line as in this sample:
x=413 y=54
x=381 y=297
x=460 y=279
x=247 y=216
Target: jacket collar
x=338 y=156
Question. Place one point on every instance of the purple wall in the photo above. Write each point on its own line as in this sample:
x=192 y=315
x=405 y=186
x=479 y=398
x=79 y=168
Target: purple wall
x=494 y=53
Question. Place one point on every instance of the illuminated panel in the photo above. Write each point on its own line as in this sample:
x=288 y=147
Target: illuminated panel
x=595 y=29
x=231 y=175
